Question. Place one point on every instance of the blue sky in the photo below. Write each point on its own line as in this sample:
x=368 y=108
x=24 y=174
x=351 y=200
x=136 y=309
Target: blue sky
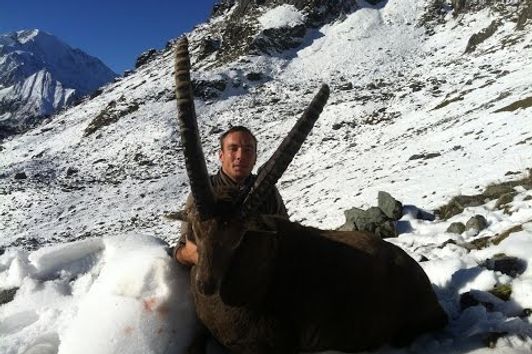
x=114 y=31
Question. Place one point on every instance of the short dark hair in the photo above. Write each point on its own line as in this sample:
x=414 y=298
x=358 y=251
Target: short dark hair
x=237 y=128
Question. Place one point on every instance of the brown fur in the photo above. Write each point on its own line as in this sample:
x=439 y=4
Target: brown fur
x=286 y=288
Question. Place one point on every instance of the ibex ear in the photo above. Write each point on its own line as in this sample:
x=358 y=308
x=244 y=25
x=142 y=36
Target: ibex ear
x=249 y=269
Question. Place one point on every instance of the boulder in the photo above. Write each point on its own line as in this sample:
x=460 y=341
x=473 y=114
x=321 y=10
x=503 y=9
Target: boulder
x=508 y=265
x=391 y=207
x=477 y=222
x=20 y=175
x=456 y=228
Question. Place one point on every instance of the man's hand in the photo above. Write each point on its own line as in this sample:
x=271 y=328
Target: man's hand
x=187 y=254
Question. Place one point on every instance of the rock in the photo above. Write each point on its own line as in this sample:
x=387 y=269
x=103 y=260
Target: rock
x=508 y=265
x=505 y=199
x=525 y=16
x=208 y=46
x=71 y=171
x=502 y=291
x=478 y=38
x=424 y=156
x=208 y=89
x=477 y=222
x=350 y=216
x=7 y=295
x=254 y=76
x=145 y=57
x=479 y=243
x=392 y=208
x=346 y=87
x=456 y=228
x=386 y=229
x=20 y=175
x=374 y=221
x=273 y=40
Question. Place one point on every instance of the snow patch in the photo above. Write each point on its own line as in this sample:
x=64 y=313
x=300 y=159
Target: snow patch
x=281 y=16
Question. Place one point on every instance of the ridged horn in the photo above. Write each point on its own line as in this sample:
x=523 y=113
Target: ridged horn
x=274 y=168
x=198 y=176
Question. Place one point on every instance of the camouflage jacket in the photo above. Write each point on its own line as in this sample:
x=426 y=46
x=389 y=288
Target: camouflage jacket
x=272 y=205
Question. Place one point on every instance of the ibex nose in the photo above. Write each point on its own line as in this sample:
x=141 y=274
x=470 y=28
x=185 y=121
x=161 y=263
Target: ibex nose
x=206 y=288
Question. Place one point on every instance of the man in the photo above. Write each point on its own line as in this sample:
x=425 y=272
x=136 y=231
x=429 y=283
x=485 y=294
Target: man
x=238 y=154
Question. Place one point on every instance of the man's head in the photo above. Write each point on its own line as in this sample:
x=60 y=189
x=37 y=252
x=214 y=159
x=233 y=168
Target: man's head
x=238 y=153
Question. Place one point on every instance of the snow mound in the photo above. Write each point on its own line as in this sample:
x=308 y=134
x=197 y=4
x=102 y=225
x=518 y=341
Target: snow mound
x=281 y=16
x=106 y=295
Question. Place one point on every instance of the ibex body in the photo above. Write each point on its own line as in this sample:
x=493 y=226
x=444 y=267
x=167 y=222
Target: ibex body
x=265 y=285
x=287 y=288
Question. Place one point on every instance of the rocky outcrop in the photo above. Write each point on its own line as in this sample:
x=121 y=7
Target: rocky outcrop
x=39 y=75
x=241 y=33
x=379 y=221
x=145 y=57
x=480 y=37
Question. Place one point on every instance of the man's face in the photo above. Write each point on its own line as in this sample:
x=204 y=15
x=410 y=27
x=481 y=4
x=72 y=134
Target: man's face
x=238 y=155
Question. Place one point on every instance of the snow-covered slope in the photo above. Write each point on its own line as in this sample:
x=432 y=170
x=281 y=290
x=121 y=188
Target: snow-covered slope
x=427 y=102
x=397 y=93
x=40 y=74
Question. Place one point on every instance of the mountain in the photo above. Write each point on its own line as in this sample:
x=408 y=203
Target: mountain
x=39 y=74
x=427 y=102
x=430 y=101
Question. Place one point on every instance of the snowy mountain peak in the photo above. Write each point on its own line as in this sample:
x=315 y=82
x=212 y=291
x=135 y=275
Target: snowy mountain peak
x=28 y=56
x=24 y=36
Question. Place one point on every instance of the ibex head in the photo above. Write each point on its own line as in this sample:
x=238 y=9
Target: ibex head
x=220 y=218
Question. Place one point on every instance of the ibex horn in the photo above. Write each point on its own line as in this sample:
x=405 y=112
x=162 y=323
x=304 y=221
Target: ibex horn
x=274 y=168
x=194 y=160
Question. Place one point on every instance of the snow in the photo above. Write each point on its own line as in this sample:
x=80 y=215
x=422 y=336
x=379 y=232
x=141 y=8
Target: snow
x=125 y=294
x=104 y=295
x=41 y=74
x=281 y=16
x=86 y=278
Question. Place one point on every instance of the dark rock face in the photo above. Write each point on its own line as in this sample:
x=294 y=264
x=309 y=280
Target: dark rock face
x=241 y=35
x=7 y=295
x=525 y=15
x=208 y=46
x=208 y=89
x=145 y=57
x=20 y=175
x=278 y=39
x=480 y=37
x=254 y=76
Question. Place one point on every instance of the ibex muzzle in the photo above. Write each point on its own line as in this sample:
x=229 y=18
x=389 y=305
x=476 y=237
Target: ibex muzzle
x=265 y=285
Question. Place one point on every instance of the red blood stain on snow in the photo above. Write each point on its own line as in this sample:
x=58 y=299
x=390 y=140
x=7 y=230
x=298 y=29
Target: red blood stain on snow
x=149 y=304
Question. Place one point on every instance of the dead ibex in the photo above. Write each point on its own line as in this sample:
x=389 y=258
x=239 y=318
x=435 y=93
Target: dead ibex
x=267 y=285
